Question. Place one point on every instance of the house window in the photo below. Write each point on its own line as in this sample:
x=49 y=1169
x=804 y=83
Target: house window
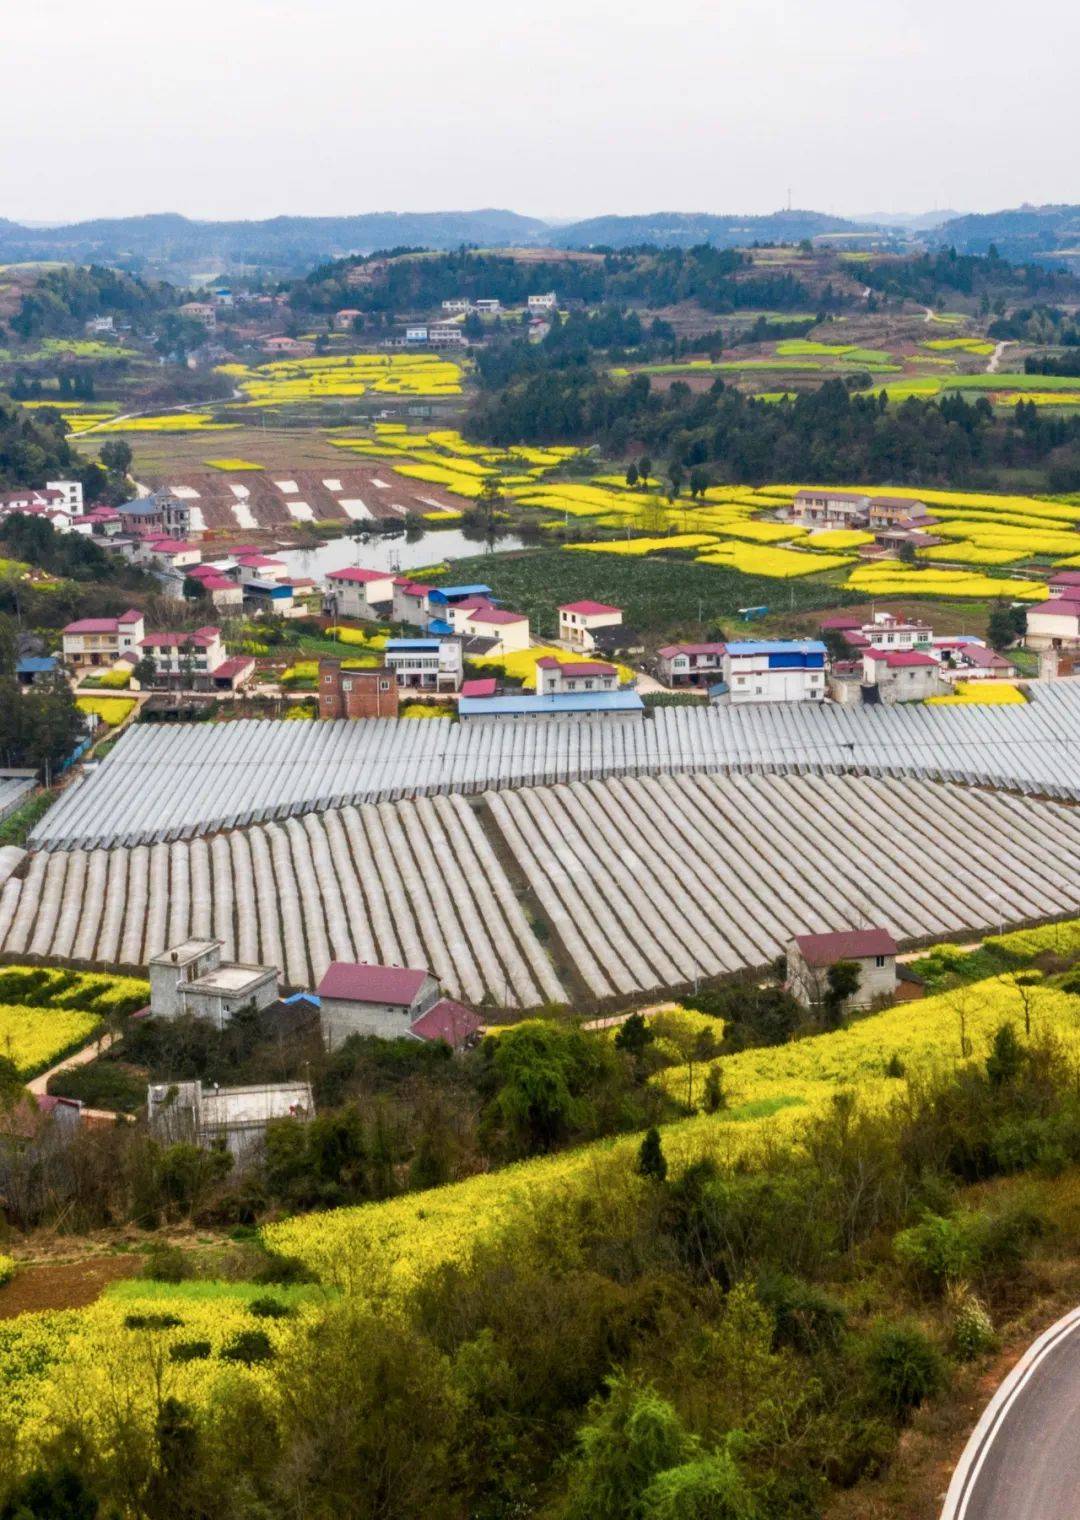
x=879 y=960
x=346 y=686
x=384 y=685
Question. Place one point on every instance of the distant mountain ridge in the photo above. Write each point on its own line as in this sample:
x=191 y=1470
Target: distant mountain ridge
x=684 y=229
x=1040 y=233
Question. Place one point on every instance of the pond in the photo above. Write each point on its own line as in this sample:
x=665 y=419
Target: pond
x=379 y=552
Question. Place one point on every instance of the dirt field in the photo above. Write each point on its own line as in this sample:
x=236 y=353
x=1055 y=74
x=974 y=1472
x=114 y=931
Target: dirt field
x=62 y=1285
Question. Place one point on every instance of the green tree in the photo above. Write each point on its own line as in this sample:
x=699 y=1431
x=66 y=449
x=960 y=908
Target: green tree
x=651 y=1161
x=45 y=1495
x=699 y=481
x=542 y=1073
x=9 y=645
x=841 y=983
x=629 y=1438
x=634 y=1036
x=631 y=475
x=116 y=456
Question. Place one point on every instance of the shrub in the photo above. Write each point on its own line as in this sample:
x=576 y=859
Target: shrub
x=151 y=1322
x=189 y=1351
x=270 y=1308
x=166 y=1264
x=7 y=1268
x=711 y=1488
x=248 y=1347
x=938 y=1250
x=905 y=1367
x=804 y=1316
x=972 y=1329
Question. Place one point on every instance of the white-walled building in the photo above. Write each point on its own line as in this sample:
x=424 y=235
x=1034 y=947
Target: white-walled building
x=360 y=593
x=824 y=508
x=690 y=664
x=873 y=951
x=903 y=675
x=556 y=676
x=235 y=1117
x=390 y=1003
x=92 y=642
x=579 y=621
x=425 y=664
x=887 y=631
x=192 y=980
x=1055 y=624
x=773 y=670
x=545 y=302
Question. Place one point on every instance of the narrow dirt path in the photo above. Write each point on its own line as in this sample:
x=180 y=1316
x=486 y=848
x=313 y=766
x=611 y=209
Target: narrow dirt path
x=994 y=363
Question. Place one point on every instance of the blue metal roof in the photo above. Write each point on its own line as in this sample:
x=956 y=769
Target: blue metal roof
x=275 y=588
x=439 y=625
x=448 y=593
x=775 y=646
x=35 y=665
x=565 y=702
x=412 y=643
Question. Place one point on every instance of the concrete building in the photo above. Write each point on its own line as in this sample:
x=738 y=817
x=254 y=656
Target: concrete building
x=873 y=951
x=884 y=511
x=356 y=693
x=192 y=980
x=488 y=306
x=345 y=318
x=185 y=660
x=410 y=602
x=417 y=334
x=690 y=664
x=824 y=508
x=1065 y=585
x=556 y=676
x=887 y=631
x=390 y=1003
x=773 y=670
x=1055 y=624
x=433 y=664
x=199 y=311
x=545 y=302
x=510 y=630
x=360 y=593
x=580 y=621
x=902 y=675
x=226 y=595
x=446 y=335
x=161 y=512
x=233 y=1117
x=91 y=642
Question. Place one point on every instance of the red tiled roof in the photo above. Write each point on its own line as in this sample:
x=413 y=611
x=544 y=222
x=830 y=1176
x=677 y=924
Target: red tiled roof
x=576 y=667
x=215 y=582
x=411 y=588
x=1066 y=578
x=842 y=621
x=448 y=1021
x=176 y=640
x=359 y=576
x=498 y=616
x=471 y=604
x=229 y=669
x=103 y=625
x=669 y=650
x=360 y=983
x=256 y=561
x=896 y=659
x=904 y=502
x=588 y=609
x=831 y=495
x=1060 y=606
x=845 y=945
x=482 y=688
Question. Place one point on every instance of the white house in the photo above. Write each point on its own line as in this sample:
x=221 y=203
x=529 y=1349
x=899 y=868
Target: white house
x=578 y=622
x=1055 y=624
x=510 y=630
x=823 y=508
x=447 y=335
x=545 y=302
x=185 y=656
x=99 y=641
x=488 y=306
x=460 y=303
x=886 y=631
x=690 y=664
x=425 y=664
x=773 y=670
x=873 y=951
x=556 y=676
x=360 y=593
x=191 y=979
x=416 y=335
x=390 y=1002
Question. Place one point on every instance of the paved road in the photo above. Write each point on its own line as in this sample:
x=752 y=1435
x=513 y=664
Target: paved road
x=1023 y=1459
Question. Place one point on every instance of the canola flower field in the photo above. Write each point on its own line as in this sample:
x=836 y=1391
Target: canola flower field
x=342 y=376
x=46 y=1014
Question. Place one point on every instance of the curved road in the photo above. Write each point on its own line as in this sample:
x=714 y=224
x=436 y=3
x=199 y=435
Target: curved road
x=1023 y=1459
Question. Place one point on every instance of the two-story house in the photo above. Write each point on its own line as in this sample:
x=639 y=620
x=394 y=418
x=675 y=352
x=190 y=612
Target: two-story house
x=100 y=641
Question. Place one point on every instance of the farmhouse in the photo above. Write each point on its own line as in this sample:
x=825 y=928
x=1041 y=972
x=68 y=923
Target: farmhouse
x=161 y=512
x=345 y=693
x=902 y=675
x=884 y=511
x=192 y=980
x=1055 y=624
x=1065 y=584
x=772 y=670
x=579 y=622
x=236 y=1117
x=554 y=676
x=886 y=631
x=689 y=664
x=431 y=664
x=98 y=641
x=410 y=602
x=390 y=1002
x=359 y=593
x=545 y=302
x=345 y=319
x=824 y=508
x=873 y=951
x=217 y=588
x=446 y=335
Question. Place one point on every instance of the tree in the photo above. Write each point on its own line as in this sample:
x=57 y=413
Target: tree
x=634 y=1035
x=644 y=470
x=841 y=983
x=628 y=1439
x=490 y=499
x=9 y=646
x=651 y=1161
x=193 y=589
x=675 y=477
x=1025 y=983
x=1006 y=1058
x=116 y=456
x=145 y=671
x=699 y=481
x=631 y=475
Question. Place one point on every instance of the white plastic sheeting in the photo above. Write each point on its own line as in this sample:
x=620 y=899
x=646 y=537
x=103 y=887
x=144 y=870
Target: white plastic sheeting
x=404 y=883
x=174 y=782
x=649 y=883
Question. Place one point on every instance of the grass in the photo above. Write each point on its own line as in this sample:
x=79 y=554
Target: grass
x=16 y=828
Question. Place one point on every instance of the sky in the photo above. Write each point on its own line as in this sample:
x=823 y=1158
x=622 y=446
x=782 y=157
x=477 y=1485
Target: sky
x=569 y=108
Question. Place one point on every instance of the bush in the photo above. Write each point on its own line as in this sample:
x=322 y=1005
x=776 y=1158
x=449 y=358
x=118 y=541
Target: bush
x=973 y=1329
x=804 y=1316
x=189 y=1351
x=270 y=1308
x=7 y=1268
x=905 y=1367
x=102 y=1084
x=151 y=1322
x=166 y=1264
x=248 y=1347
x=938 y=1250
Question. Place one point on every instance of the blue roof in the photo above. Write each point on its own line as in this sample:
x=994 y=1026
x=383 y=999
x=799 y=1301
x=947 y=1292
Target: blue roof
x=776 y=646
x=275 y=588
x=439 y=625
x=413 y=643
x=564 y=702
x=444 y=593
x=35 y=665
x=304 y=997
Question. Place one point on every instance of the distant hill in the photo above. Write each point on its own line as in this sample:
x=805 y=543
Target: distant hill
x=1043 y=234
x=685 y=229
x=288 y=243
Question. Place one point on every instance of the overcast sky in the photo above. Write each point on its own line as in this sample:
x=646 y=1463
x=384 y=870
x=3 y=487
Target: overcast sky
x=567 y=108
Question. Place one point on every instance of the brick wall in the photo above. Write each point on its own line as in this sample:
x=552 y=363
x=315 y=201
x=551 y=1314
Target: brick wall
x=356 y=693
